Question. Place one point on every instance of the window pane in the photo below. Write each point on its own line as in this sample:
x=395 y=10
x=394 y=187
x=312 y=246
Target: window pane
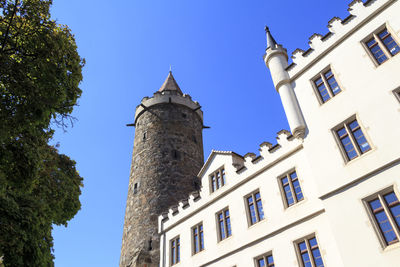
x=228 y=226
x=394 y=206
x=385 y=227
x=302 y=246
x=306 y=259
x=375 y=204
x=261 y=262
x=362 y=142
x=285 y=181
x=214 y=186
x=201 y=241
x=388 y=41
x=378 y=54
x=317 y=258
x=334 y=85
x=218 y=180
x=260 y=210
x=313 y=242
x=223 y=176
x=297 y=189
x=293 y=176
x=252 y=214
x=222 y=229
x=270 y=260
x=289 y=196
x=341 y=132
x=371 y=42
x=349 y=148
x=323 y=93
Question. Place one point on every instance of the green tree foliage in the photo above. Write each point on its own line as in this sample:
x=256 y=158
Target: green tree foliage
x=40 y=72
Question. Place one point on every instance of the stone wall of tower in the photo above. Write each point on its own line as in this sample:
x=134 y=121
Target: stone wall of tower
x=167 y=155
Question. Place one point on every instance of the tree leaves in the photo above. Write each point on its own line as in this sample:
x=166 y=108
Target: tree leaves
x=40 y=72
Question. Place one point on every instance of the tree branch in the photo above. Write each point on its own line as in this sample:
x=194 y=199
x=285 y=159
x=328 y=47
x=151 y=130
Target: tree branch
x=9 y=25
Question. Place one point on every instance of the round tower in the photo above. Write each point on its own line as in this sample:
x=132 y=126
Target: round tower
x=276 y=59
x=167 y=155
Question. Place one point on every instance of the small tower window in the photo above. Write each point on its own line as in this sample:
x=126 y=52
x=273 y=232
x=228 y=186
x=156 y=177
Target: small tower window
x=194 y=139
x=144 y=136
x=184 y=115
x=175 y=154
x=135 y=188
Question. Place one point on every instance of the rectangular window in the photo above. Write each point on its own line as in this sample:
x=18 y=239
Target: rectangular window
x=291 y=189
x=198 y=238
x=382 y=46
x=175 y=250
x=254 y=208
x=265 y=261
x=384 y=208
x=217 y=179
x=326 y=85
x=224 y=224
x=308 y=252
x=352 y=139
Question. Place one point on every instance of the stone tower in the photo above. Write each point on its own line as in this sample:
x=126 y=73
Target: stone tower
x=167 y=155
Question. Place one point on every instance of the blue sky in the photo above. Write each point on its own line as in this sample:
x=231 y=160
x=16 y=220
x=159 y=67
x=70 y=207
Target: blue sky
x=215 y=48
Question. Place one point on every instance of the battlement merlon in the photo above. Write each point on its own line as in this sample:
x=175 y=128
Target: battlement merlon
x=338 y=29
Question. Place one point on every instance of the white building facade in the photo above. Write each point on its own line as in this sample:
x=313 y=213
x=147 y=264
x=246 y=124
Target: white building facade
x=327 y=194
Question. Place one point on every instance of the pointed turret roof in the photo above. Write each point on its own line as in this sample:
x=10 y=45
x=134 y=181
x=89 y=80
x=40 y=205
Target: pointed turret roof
x=170 y=85
x=270 y=40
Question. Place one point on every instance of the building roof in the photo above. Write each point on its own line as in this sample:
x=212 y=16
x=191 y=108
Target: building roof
x=170 y=85
x=270 y=40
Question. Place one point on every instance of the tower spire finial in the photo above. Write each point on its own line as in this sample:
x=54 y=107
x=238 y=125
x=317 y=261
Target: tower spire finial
x=170 y=68
x=270 y=40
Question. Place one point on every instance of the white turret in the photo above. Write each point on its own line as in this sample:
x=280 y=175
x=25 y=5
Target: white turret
x=276 y=59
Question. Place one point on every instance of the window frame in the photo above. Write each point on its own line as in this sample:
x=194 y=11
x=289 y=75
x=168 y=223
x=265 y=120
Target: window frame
x=396 y=93
x=265 y=257
x=350 y=133
x=306 y=239
x=375 y=35
x=199 y=239
x=292 y=190
x=213 y=177
x=257 y=212
x=396 y=229
x=175 y=258
x=219 y=230
x=321 y=75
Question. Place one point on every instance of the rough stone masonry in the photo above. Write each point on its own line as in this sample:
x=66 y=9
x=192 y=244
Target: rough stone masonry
x=167 y=155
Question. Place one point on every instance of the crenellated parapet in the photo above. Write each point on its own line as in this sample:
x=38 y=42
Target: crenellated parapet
x=238 y=168
x=165 y=97
x=359 y=13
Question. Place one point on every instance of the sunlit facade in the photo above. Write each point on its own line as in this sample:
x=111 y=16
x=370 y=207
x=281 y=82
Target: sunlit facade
x=327 y=192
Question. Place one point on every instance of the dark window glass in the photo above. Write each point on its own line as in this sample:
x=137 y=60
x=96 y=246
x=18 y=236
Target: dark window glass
x=327 y=85
x=255 y=208
x=198 y=238
x=309 y=253
x=353 y=140
x=175 y=251
x=376 y=51
x=389 y=42
x=217 y=179
x=291 y=188
x=265 y=261
x=381 y=216
x=224 y=223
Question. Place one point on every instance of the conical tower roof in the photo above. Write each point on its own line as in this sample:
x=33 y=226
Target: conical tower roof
x=170 y=85
x=270 y=40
